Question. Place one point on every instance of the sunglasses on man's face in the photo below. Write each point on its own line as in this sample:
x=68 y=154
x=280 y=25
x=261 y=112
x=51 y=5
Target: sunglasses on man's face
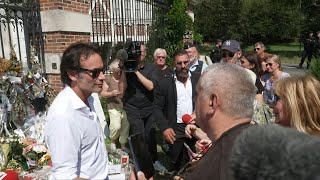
x=256 y=49
x=227 y=53
x=94 y=73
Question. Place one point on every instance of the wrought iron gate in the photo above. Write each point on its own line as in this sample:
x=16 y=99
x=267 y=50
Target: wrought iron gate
x=114 y=21
x=20 y=27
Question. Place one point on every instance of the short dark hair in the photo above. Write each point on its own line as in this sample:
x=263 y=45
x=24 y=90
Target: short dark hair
x=180 y=52
x=71 y=58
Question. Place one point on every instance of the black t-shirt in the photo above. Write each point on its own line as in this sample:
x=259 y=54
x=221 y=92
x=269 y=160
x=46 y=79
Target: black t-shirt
x=136 y=94
x=159 y=74
x=215 y=163
x=215 y=55
x=259 y=86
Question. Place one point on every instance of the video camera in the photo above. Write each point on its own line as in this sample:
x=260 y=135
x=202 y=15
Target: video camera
x=133 y=50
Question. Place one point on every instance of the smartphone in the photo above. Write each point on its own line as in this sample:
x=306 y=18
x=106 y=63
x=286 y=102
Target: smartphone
x=141 y=157
x=190 y=152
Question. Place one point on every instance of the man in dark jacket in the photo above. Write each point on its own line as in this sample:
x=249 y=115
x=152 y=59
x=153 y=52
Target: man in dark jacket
x=215 y=54
x=308 y=44
x=174 y=97
x=223 y=112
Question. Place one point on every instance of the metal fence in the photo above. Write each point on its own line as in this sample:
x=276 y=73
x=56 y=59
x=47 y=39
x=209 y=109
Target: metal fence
x=114 y=21
x=20 y=27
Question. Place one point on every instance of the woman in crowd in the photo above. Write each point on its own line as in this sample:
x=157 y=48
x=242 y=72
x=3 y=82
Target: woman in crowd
x=298 y=103
x=250 y=61
x=119 y=125
x=275 y=73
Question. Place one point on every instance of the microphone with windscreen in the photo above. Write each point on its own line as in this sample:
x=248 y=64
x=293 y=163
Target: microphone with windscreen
x=275 y=152
x=186 y=118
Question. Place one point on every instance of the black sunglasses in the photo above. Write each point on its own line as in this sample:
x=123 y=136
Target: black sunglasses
x=255 y=49
x=225 y=53
x=269 y=64
x=94 y=73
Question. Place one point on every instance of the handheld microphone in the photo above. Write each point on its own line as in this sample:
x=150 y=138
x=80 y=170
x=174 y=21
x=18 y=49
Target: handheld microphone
x=186 y=118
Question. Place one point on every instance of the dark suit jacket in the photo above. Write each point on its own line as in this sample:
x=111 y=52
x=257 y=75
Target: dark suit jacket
x=165 y=101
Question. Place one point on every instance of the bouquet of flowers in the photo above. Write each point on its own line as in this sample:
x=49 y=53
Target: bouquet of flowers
x=36 y=154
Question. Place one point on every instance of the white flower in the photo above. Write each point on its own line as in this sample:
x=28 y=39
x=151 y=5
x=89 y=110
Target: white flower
x=2 y=140
x=39 y=148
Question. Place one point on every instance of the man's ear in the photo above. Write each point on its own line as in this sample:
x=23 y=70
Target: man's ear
x=214 y=102
x=73 y=75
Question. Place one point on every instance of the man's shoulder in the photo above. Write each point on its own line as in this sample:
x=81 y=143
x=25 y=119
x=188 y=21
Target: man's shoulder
x=166 y=81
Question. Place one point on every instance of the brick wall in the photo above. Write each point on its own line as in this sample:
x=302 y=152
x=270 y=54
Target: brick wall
x=80 y=6
x=57 y=42
x=55 y=81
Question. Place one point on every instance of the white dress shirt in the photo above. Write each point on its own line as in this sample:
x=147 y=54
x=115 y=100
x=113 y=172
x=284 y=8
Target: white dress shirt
x=75 y=139
x=184 y=99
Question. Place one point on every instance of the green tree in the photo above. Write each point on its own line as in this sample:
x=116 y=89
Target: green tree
x=178 y=22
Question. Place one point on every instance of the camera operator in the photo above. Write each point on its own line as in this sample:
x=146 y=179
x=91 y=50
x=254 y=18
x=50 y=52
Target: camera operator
x=138 y=99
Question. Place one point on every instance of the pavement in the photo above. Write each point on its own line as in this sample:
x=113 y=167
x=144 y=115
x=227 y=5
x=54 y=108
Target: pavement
x=293 y=70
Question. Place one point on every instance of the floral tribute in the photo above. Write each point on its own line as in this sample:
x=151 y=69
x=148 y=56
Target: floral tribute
x=24 y=98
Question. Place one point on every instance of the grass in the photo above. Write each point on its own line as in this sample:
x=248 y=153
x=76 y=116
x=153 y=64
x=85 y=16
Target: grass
x=290 y=53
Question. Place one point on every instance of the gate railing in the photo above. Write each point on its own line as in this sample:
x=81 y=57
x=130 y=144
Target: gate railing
x=114 y=21
x=20 y=27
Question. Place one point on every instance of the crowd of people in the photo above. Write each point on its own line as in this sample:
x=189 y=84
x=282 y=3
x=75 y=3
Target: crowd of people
x=224 y=98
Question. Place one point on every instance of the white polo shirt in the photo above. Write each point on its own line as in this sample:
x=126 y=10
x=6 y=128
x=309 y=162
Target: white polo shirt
x=75 y=138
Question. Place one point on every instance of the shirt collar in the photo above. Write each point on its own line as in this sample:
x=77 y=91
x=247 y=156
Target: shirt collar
x=77 y=103
x=195 y=64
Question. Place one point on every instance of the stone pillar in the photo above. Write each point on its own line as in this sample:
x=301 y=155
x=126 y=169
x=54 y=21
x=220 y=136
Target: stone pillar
x=63 y=22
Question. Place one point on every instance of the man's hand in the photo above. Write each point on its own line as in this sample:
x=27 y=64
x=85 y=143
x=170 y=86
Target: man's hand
x=189 y=130
x=115 y=93
x=169 y=135
x=203 y=145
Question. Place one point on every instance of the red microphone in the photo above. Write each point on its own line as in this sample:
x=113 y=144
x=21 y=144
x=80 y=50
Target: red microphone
x=186 y=118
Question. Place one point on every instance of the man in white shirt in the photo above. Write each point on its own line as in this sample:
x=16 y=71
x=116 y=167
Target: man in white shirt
x=174 y=96
x=73 y=132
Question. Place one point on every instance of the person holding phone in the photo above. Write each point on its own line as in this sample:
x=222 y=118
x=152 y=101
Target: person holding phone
x=119 y=125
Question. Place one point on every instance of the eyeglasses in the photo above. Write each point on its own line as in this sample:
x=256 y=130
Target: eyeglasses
x=256 y=49
x=163 y=57
x=184 y=62
x=227 y=53
x=269 y=64
x=94 y=73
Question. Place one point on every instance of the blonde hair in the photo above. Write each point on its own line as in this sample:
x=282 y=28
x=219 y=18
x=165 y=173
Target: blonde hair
x=275 y=58
x=301 y=96
x=114 y=65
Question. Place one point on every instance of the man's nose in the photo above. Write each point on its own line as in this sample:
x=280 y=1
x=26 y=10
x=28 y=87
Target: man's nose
x=102 y=76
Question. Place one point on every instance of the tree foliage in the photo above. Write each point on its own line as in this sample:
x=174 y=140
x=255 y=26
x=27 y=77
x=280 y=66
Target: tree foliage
x=178 y=22
x=256 y=20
